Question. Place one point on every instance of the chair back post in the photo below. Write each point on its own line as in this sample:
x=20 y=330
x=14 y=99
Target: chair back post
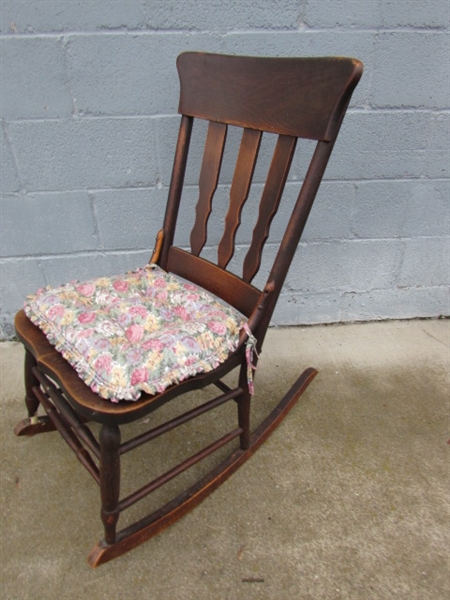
x=176 y=187
x=294 y=231
x=303 y=205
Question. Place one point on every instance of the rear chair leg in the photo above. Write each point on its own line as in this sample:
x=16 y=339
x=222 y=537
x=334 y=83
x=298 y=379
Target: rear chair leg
x=30 y=382
x=244 y=420
x=110 y=479
x=33 y=424
x=244 y=403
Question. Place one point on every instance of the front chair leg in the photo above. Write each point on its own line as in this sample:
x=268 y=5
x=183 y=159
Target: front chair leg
x=110 y=479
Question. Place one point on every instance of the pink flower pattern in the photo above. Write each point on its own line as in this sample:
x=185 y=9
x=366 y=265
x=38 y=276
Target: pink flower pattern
x=139 y=375
x=159 y=328
x=57 y=310
x=103 y=363
x=134 y=333
x=120 y=285
x=86 y=317
x=217 y=327
x=86 y=289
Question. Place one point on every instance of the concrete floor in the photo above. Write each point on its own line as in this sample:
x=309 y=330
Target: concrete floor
x=348 y=499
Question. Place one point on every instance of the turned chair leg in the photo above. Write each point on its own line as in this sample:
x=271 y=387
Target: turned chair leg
x=31 y=401
x=33 y=424
x=110 y=479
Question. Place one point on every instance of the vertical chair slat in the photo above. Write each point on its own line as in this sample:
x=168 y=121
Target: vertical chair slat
x=243 y=174
x=209 y=176
x=270 y=200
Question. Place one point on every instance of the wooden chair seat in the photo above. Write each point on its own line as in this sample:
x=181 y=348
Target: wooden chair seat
x=290 y=97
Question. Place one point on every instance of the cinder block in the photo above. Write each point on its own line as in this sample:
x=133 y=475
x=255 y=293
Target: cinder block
x=425 y=262
x=410 y=69
x=385 y=209
x=380 y=145
x=85 y=153
x=343 y=13
x=9 y=177
x=356 y=44
x=376 y=245
x=329 y=218
x=166 y=133
x=131 y=74
x=214 y=15
x=380 y=208
x=129 y=219
x=344 y=266
x=27 y=16
x=306 y=309
x=403 y=303
x=19 y=277
x=410 y=13
x=217 y=15
x=303 y=154
x=82 y=267
x=428 y=209
x=330 y=214
x=6 y=327
x=34 y=79
x=438 y=151
x=376 y=13
x=38 y=224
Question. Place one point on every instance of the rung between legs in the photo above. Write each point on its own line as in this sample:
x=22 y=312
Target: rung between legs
x=83 y=432
x=180 y=420
x=68 y=435
x=186 y=464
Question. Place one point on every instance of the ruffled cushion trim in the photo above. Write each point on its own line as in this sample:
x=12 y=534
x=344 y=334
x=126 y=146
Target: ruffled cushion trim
x=139 y=332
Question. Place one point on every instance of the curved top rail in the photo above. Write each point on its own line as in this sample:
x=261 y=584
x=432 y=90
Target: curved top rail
x=302 y=97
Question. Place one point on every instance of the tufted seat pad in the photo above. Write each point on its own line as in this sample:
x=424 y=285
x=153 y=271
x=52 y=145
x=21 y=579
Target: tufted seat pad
x=138 y=332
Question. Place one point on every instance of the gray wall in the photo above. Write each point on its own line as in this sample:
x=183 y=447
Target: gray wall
x=89 y=98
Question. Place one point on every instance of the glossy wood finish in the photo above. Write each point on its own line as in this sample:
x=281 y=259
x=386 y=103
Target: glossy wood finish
x=270 y=201
x=303 y=97
x=151 y=525
x=243 y=175
x=224 y=284
x=87 y=404
x=209 y=177
x=294 y=98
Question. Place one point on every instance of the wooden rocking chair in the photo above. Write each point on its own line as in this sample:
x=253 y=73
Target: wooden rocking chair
x=290 y=97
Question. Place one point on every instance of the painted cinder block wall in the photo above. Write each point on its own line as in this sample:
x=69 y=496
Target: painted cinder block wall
x=88 y=106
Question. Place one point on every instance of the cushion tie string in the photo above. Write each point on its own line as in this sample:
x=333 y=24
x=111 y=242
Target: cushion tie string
x=250 y=349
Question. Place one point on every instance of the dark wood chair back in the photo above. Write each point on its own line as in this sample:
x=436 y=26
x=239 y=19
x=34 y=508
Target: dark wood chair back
x=290 y=97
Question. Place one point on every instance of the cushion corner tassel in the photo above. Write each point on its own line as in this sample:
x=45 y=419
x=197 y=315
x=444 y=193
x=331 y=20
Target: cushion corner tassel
x=250 y=350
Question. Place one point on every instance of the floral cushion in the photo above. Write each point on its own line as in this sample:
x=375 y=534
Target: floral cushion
x=142 y=331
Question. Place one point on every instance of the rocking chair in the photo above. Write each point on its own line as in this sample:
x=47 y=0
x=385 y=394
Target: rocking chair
x=113 y=350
